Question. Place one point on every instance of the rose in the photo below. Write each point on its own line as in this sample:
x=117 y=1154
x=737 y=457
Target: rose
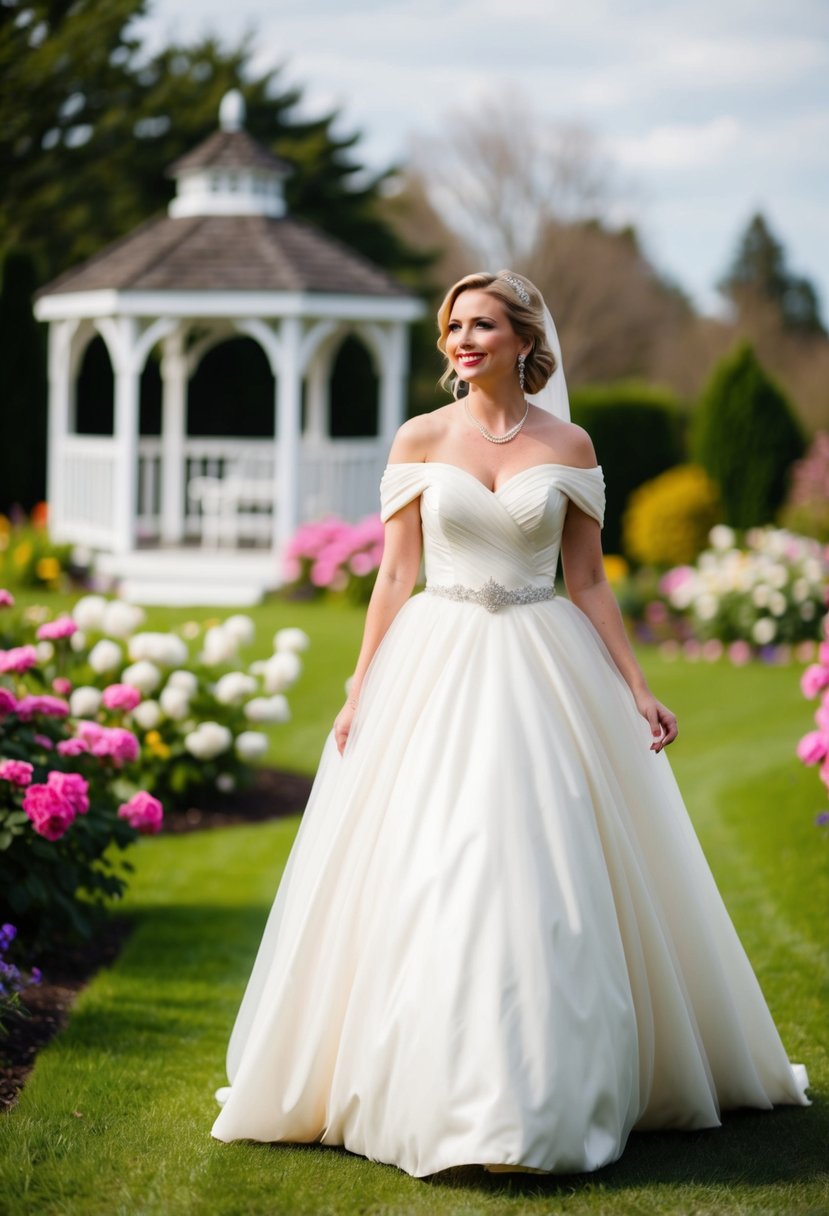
x=85 y=701
x=251 y=745
x=73 y=787
x=142 y=812
x=115 y=742
x=143 y=675
x=53 y=631
x=18 y=659
x=232 y=688
x=208 y=740
x=50 y=814
x=72 y=747
x=46 y=706
x=105 y=656
x=121 y=696
x=16 y=772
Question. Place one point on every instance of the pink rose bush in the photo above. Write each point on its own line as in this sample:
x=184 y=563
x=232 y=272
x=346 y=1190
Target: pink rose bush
x=813 y=748
x=334 y=555
x=142 y=812
x=17 y=772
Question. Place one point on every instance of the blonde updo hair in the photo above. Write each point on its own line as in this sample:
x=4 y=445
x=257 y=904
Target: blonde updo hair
x=527 y=320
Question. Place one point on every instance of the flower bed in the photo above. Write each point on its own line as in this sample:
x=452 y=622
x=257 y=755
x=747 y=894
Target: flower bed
x=813 y=748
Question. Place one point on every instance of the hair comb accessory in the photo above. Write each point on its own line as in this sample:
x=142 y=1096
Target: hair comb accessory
x=518 y=287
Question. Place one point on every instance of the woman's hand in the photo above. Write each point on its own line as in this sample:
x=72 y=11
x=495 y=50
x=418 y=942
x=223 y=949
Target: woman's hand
x=658 y=717
x=342 y=724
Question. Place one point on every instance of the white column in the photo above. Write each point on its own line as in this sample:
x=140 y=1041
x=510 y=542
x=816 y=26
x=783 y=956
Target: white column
x=60 y=397
x=393 y=382
x=127 y=374
x=318 y=398
x=288 y=404
x=173 y=427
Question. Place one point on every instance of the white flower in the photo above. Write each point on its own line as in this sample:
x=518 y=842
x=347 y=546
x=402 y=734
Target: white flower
x=777 y=603
x=764 y=631
x=268 y=709
x=144 y=676
x=78 y=641
x=166 y=649
x=84 y=701
x=778 y=576
x=291 y=641
x=104 y=656
x=251 y=745
x=232 y=688
x=209 y=739
x=147 y=715
x=241 y=628
x=280 y=671
x=706 y=607
x=185 y=680
x=175 y=703
x=722 y=537
x=88 y=613
x=800 y=590
x=45 y=651
x=760 y=596
x=121 y=619
x=219 y=646
x=226 y=783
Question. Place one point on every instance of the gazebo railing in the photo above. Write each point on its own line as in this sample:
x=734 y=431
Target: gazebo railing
x=82 y=512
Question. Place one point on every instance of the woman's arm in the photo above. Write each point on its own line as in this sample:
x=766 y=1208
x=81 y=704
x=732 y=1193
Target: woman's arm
x=589 y=590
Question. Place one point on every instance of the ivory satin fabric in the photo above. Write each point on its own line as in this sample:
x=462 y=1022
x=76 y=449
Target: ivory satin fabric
x=497 y=939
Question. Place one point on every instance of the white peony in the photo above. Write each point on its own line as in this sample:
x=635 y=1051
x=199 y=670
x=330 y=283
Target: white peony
x=251 y=745
x=144 y=676
x=281 y=671
x=105 y=656
x=722 y=537
x=185 y=680
x=78 y=640
x=121 y=619
x=88 y=613
x=45 y=651
x=232 y=688
x=777 y=603
x=165 y=649
x=268 y=709
x=208 y=740
x=706 y=607
x=291 y=641
x=241 y=628
x=800 y=590
x=219 y=646
x=760 y=596
x=764 y=631
x=175 y=703
x=147 y=715
x=85 y=701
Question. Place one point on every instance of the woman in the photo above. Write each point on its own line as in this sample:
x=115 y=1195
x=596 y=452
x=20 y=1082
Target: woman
x=497 y=940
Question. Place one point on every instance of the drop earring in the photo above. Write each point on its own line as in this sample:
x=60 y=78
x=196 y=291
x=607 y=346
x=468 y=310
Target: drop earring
x=521 y=361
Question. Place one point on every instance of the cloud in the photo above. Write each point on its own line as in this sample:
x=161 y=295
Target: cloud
x=685 y=147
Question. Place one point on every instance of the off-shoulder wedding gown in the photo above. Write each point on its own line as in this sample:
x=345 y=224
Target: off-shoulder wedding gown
x=497 y=939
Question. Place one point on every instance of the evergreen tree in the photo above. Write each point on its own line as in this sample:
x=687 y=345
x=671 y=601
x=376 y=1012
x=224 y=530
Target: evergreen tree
x=22 y=386
x=759 y=273
x=746 y=438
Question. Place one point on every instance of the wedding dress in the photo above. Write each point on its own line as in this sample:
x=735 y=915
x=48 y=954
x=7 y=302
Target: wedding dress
x=496 y=940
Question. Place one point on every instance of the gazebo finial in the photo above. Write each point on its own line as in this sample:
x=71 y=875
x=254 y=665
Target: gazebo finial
x=232 y=111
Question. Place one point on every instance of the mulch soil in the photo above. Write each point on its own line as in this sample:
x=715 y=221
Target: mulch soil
x=272 y=795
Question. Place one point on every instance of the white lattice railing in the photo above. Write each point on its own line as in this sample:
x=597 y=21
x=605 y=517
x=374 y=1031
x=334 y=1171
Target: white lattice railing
x=83 y=512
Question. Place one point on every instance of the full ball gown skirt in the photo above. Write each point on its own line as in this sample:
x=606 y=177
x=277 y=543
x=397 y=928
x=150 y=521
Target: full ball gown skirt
x=497 y=940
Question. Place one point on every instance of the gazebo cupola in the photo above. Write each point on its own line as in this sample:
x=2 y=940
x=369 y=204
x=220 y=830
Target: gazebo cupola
x=227 y=260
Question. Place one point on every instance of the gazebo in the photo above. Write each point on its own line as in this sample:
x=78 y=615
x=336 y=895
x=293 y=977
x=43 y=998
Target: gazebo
x=181 y=519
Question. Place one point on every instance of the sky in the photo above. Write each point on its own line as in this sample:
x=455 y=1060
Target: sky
x=709 y=110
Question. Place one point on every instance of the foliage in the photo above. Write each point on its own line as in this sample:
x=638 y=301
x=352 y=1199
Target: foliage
x=636 y=432
x=22 y=385
x=759 y=273
x=28 y=558
x=668 y=519
x=813 y=748
x=746 y=437
x=806 y=509
x=769 y=591
x=333 y=555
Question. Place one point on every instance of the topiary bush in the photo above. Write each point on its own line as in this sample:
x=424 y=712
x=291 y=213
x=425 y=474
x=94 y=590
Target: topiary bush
x=746 y=437
x=636 y=430
x=668 y=519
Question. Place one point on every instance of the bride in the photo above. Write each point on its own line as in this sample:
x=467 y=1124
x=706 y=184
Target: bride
x=497 y=940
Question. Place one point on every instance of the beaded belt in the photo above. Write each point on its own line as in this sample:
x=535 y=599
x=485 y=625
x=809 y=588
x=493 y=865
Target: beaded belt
x=492 y=595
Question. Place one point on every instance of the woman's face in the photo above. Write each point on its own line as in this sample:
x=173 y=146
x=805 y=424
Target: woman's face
x=481 y=344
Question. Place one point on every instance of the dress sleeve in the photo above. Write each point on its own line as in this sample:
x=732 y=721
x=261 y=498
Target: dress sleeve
x=399 y=484
x=585 y=487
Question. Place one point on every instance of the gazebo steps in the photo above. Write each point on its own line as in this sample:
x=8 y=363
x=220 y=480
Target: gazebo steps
x=182 y=577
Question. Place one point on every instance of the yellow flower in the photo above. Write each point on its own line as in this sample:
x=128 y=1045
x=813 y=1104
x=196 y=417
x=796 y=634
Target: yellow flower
x=157 y=745
x=615 y=567
x=48 y=569
x=22 y=555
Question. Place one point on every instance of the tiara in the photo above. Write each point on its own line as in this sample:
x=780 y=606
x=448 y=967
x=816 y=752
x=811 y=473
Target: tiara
x=518 y=287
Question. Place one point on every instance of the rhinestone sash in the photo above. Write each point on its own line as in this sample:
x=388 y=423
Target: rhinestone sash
x=492 y=596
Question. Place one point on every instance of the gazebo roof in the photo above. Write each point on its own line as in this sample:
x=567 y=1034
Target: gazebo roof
x=229 y=149
x=228 y=253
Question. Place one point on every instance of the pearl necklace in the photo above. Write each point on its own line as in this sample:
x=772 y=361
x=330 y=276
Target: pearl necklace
x=507 y=435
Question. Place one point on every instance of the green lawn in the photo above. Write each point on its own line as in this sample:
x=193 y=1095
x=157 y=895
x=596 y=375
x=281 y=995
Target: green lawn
x=116 y=1117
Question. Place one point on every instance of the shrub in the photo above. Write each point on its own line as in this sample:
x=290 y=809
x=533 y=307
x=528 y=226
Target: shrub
x=636 y=431
x=27 y=556
x=668 y=519
x=333 y=555
x=807 y=506
x=746 y=437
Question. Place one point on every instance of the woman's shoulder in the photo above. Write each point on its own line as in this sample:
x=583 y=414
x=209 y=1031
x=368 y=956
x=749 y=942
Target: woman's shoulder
x=570 y=443
x=418 y=436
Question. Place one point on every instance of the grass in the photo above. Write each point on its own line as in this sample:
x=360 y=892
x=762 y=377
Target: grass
x=116 y=1117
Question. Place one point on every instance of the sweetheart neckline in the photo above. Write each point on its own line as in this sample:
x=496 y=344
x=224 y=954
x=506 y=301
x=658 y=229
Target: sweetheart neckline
x=546 y=464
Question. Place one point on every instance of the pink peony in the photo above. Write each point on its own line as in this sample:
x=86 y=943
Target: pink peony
x=61 y=686
x=813 y=747
x=17 y=772
x=121 y=696
x=142 y=812
x=72 y=747
x=51 y=814
x=45 y=706
x=822 y=715
x=739 y=653
x=6 y=598
x=8 y=702
x=113 y=741
x=73 y=787
x=45 y=742
x=823 y=654
x=53 y=631
x=814 y=679
x=18 y=659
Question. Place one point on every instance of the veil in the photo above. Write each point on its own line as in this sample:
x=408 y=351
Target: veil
x=553 y=396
